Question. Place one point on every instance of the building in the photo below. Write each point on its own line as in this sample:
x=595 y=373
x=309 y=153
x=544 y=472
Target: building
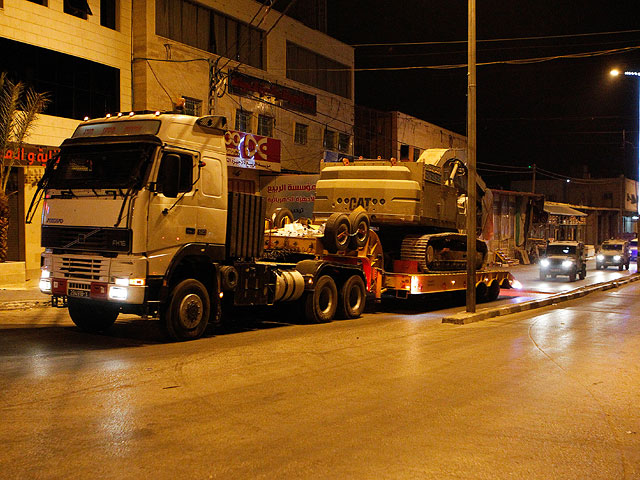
x=284 y=85
x=78 y=52
x=611 y=204
x=396 y=134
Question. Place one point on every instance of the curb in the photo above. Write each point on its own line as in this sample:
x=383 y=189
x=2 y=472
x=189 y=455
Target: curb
x=24 y=304
x=463 y=318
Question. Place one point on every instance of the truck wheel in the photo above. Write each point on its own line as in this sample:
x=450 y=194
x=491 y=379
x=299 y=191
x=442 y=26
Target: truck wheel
x=321 y=304
x=481 y=292
x=494 y=291
x=90 y=316
x=336 y=233
x=187 y=312
x=281 y=217
x=359 y=221
x=352 y=297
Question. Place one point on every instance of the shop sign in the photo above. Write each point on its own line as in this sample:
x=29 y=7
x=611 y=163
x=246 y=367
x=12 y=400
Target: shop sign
x=631 y=195
x=246 y=150
x=29 y=155
x=295 y=192
x=245 y=85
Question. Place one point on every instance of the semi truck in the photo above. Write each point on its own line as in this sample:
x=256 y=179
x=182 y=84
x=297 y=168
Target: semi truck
x=142 y=214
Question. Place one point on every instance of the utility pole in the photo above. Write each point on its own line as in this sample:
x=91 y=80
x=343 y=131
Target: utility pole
x=533 y=181
x=471 y=160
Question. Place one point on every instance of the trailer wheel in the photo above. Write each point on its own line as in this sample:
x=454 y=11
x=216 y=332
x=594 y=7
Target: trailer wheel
x=352 y=297
x=360 y=223
x=494 y=291
x=281 y=217
x=336 y=233
x=321 y=304
x=481 y=292
x=187 y=313
x=91 y=317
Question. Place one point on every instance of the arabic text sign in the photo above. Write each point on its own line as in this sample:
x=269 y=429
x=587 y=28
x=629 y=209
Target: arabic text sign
x=252 y=151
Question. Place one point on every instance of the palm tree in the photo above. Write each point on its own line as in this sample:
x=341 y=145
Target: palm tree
x=19 y=109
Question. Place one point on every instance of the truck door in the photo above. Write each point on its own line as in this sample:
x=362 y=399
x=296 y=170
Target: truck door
x=173 y=221
x=212 y=217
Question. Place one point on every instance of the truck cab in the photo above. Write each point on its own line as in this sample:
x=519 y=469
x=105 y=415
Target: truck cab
x=565 y=258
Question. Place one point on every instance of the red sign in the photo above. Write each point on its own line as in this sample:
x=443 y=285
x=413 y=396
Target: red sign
x=29 y=155
x=246 y=150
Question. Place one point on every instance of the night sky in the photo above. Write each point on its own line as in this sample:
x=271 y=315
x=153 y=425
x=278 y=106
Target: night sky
x=568 y=116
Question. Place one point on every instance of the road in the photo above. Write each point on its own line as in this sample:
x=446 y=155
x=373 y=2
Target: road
x=545 y=394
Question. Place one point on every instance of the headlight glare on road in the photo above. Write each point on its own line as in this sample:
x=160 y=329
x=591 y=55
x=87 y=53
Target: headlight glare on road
x=567 y=264
x=117 y=293
x=544 y=263
x=616 y=258
x=45 y=285
x=600 y=258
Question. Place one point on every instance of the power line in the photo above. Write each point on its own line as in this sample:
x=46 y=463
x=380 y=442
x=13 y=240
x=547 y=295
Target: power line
x=576 y=35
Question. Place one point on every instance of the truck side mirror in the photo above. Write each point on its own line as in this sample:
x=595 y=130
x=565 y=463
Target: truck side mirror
x=170 y=174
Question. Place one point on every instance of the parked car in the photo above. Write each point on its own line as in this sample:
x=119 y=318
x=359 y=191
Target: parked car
x=615 y=253
x=633 y=246
x=564 y=258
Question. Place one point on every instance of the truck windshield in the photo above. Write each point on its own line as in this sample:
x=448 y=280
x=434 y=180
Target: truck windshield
x=561 y=249
x=118 y=165
x=611 y=246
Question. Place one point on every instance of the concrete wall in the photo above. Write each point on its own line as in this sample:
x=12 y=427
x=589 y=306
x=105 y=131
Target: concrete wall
x=158 y=83
x=417 y=133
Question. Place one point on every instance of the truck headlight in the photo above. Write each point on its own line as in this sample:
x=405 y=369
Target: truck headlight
x=600 y=258
x=45 y=285
x=117 y=293
x=544 y=263
x=567 y=264
x=616 y=258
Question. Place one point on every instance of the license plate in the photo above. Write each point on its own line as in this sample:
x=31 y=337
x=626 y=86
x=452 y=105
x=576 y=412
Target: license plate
x=78 y=293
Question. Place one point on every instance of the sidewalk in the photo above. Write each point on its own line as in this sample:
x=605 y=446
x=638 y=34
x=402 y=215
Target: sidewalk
x=22 y=295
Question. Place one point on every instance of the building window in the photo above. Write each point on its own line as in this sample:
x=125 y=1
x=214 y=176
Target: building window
x=329 y=141
x=416 y=154
x=265 y=125
x=39 y=2
x=404 y=152
x=108 y=13
x=192 y=106
x=308 y=67
x=77 y=87
x=243 y=121
x=207 y=29
x=300 y=136
x=77 y=8
x=343 y=142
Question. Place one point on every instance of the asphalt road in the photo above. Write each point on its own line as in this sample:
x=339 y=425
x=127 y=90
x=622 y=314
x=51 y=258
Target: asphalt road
x=396 y=394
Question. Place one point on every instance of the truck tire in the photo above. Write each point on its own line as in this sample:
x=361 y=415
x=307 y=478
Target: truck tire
x=187 y=312
x=360 y=223
x=90 y=316
x=352 y=297
x=481 y=292
x=336 y=233
x=494 y=291
x=281 y=217
x=321 y=304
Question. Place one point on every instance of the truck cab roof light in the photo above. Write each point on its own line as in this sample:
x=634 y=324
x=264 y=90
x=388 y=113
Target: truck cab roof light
x=86 y=118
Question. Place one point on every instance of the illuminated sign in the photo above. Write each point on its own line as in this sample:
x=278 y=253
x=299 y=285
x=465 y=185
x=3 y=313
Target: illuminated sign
x=117 y=128
x=246 y=150
x=29 y=155
x=290 y=98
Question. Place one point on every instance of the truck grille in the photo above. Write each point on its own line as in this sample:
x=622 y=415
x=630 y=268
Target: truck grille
x=93 y=269
x=86 y=238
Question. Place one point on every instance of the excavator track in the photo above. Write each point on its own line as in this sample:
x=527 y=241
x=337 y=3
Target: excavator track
x=440 y=252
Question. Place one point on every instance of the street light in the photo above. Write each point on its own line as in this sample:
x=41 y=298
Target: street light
x=615 y=72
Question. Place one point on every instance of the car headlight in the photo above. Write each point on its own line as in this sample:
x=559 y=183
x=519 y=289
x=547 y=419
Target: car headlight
x=600 y=258
x=616 y=258
x=567 y=264
x=544 y=263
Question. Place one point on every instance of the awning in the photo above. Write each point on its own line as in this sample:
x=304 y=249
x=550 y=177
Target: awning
x=562 y=209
